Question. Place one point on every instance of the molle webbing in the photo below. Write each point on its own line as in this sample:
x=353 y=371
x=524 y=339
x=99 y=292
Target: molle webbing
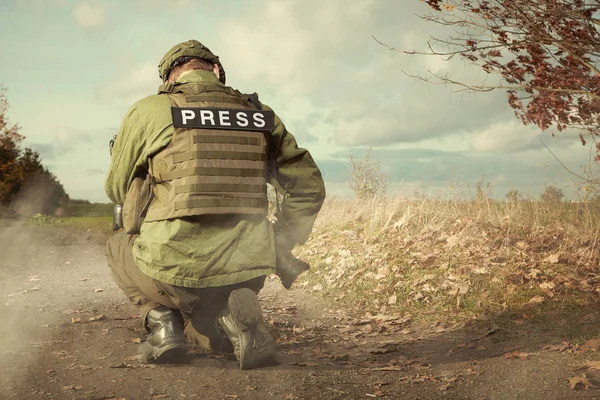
x=219 y=139
x=212 y=171
x=218 y=187
x=218 y=155
x=205 y=203
x=208 y=170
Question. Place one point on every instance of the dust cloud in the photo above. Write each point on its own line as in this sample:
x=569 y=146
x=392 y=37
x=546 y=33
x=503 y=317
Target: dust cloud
x=44 y=271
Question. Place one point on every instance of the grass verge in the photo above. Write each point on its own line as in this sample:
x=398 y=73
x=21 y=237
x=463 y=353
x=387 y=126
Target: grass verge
x=102 y=224
x=455 y=260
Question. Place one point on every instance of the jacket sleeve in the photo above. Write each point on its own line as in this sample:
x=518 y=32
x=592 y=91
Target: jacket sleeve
x=146 y=128
x=127 y=157
x=296 y=176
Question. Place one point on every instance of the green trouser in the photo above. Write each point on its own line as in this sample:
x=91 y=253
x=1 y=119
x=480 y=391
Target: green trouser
x=199 y=307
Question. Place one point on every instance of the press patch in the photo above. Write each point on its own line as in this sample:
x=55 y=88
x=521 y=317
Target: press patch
x=223 y=118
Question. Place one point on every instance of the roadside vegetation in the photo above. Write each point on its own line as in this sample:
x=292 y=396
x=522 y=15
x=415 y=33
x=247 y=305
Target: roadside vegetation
x=80 y=215
x=455 y=258
x=439 y=259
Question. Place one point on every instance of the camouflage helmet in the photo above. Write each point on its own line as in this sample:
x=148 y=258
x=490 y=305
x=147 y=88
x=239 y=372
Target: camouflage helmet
x=191 y=48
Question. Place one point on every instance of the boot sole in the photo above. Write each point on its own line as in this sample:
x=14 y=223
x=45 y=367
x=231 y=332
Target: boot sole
x=170 y=353
x=245 y=308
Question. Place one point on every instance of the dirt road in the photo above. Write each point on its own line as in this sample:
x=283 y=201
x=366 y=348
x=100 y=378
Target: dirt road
x=69 y=333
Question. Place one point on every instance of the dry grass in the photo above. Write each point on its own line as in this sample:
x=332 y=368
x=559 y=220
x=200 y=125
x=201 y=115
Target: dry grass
x=455 y=260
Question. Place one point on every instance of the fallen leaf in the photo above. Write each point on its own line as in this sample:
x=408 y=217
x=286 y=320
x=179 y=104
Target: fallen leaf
x=23 y=292
x=516 y=354
x=76 y=320
x=590 y=365
x=536 y=300
x=553 y=259
x=122 y=365
x=471 y=371
x=580 y=382
x=592 y=344
x=100 y=317
x=136 y=340
x=306 y=364
x=445 y=386
x=559 y=347
x=367 y=328
x=547 y=285
x=388 y=368
x=72 y=387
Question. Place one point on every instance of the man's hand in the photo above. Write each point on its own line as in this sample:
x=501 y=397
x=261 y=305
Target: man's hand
x=289 y=268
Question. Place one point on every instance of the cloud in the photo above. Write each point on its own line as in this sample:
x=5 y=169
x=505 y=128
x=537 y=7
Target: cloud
x=324 y=52
x=139 y=81
x=90 y=14
x=507 y=137
x=281 y=42
x=151 y=6
x=96 y=172
x=41 y=5
x=45 y=150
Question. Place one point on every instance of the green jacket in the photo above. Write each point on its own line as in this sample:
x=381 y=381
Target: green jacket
x=218 y=250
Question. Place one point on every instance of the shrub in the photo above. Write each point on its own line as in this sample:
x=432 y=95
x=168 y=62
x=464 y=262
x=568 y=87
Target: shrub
x=367 y=181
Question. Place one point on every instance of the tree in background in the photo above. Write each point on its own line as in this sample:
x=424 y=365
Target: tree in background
x=366 y=180
x=552 y=195
x=546 y=53
x=11 y=173
x=25 y=185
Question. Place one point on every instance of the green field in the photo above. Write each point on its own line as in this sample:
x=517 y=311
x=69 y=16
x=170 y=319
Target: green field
x=96 y=217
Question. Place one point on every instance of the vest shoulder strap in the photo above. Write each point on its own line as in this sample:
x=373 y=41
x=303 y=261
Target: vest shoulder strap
x=253 y=98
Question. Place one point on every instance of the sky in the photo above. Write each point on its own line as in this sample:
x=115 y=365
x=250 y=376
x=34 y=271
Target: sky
x=72 y=69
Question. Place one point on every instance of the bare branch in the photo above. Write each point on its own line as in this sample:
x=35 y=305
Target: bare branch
x=563 y=165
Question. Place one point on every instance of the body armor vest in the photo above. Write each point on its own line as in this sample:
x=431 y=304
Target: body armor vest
x=210 y=170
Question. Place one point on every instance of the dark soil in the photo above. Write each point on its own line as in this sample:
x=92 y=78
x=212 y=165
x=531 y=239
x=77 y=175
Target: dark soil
x=69 y=333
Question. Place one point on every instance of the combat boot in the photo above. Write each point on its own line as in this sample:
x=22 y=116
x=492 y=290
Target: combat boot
x=166 y=342
x=242 y=321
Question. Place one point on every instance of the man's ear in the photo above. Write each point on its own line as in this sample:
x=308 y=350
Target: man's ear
x=216 y=71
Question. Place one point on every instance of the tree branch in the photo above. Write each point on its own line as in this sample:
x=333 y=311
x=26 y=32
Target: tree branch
x=562 y=164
